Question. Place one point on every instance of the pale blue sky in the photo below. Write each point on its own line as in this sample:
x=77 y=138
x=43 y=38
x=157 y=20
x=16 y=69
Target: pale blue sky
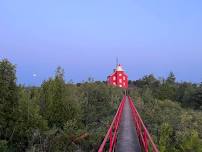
x=86 y=36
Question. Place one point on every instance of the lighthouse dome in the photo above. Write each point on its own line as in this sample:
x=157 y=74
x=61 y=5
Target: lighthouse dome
x=119 y=68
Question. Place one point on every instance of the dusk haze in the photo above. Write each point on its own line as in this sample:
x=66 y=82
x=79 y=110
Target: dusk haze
x=87 y=36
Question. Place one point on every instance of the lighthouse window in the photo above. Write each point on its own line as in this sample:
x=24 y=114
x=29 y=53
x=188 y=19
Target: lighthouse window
x=120 y=74
x=124 y=77
x=120 y=80
x=124 y=83
x=114 y=83
x=114 y=78
x=120 y=85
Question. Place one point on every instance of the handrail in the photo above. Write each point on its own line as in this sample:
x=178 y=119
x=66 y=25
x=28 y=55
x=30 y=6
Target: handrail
x=112 y=131
x=143 y=134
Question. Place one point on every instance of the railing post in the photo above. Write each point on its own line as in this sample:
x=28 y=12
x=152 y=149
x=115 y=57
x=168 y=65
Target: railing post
x=110 y=138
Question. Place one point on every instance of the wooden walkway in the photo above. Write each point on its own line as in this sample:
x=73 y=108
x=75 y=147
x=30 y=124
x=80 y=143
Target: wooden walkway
x=127 y=140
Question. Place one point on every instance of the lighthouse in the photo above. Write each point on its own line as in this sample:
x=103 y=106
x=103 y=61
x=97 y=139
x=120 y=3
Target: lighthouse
x=118 y=78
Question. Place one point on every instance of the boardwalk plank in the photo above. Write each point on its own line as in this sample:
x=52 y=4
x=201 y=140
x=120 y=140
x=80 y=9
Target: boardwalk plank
x=127 y=140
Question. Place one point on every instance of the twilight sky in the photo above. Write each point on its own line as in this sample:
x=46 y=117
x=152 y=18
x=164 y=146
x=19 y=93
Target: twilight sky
x=86 y=36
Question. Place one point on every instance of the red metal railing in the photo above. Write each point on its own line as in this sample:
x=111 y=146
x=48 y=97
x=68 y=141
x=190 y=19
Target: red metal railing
x=111 y=135
x=143 y=134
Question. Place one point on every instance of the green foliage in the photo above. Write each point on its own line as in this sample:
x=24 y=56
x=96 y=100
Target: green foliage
x=8 y=99
x=167 y=91
x=165 y=133
x=171 y=125
x=29 y=121
x=3 y=145
x=98 y=99
x=171 y=78
x=57 y=104
x=189 y=94
x=147 y=95
x=192 y=142
x=60 y=116
x=196 y=99
x=148 y=80
x=99 y=105
x=184 y=92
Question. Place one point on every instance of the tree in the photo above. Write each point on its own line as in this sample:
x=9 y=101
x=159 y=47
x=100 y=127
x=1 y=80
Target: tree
x=59 y=73
x=147 y=81
x=171 y=78
x=8 y=99
x=57 y=104
x=29 y=122
x=196 y=99
x=167 y=92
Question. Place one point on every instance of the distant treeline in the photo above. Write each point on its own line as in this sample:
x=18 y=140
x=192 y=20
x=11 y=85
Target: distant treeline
x=186 y=93
x=59 y=116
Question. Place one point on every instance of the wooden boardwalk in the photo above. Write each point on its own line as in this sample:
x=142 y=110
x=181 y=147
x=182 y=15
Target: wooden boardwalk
x=127 y=140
